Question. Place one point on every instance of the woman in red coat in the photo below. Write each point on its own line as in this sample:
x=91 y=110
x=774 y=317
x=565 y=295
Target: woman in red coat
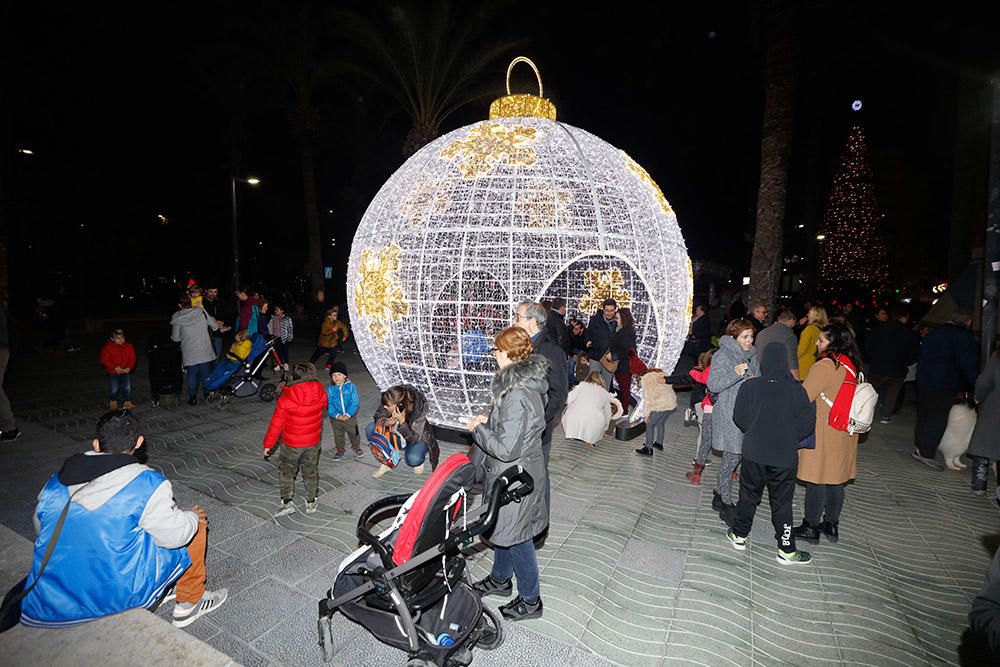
x=298 y=420
x=118 y=360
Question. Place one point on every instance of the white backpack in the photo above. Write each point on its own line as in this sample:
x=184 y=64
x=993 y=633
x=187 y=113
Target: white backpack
x=862 y=412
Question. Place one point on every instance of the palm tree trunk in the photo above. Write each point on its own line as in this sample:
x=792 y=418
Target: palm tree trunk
x=775 y=150
x=420 y=134
x=315 y=238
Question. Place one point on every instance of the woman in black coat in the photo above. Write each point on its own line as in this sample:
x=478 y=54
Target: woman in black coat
x=622 y=341
x=512 y=435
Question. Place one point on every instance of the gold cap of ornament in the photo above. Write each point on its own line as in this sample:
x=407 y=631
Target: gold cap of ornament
x=523 y=104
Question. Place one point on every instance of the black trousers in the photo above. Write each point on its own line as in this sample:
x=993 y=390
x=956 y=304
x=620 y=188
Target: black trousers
x=780 y=483
x=933 y=406
x=823 y=502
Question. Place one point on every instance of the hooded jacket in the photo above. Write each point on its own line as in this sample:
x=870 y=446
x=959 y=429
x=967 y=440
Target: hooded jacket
x=342 y=400
x=774 y=412
x=723 y=381
x=416 y=428
x=298 y=415
x=190 y=327
x=122 y=543
x=511 y=437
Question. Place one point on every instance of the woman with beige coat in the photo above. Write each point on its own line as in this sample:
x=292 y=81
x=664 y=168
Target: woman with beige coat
x=828 y=468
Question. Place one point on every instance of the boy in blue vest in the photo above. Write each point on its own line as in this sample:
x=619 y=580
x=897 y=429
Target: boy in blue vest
x=342 y=408
x=124 y=541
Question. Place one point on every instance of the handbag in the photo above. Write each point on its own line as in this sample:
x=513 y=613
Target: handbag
x=609 y=364
x=10 y=610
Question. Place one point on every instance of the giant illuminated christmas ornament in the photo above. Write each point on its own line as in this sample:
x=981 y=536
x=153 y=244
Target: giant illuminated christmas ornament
x=519 y=207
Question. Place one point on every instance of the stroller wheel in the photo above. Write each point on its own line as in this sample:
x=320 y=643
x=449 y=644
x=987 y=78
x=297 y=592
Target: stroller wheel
x=489 y=631
x=267 y=392
x=419 y=661
x=155 y=403
x=325 y=637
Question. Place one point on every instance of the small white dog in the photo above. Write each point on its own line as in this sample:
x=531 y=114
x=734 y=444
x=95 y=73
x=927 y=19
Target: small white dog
x=955 y=441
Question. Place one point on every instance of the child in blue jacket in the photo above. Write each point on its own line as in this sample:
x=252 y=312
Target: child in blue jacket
x=342 y=407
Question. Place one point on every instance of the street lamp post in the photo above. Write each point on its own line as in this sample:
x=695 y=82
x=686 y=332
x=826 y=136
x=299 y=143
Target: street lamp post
x=235 y=228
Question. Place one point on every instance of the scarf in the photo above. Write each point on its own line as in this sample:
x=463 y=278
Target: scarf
x=840 y=411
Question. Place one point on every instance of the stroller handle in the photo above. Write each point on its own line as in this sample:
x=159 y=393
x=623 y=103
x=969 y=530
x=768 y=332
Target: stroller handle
x=365 y=535
x=502 y=494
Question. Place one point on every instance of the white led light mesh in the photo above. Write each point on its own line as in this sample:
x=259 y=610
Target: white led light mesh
x=495 y=213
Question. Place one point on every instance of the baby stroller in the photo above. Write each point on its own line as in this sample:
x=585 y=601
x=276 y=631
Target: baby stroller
x=408 y=586
x=165 y=375
x=235 y=377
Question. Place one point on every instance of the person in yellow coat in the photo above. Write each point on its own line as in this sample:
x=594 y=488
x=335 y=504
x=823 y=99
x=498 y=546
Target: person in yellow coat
x=816 y=320
x=827 y=469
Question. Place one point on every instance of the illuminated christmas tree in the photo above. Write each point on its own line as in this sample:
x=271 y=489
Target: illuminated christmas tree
x=852 y=257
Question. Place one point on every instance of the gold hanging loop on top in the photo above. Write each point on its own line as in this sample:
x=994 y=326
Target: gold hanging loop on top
x=522 y=59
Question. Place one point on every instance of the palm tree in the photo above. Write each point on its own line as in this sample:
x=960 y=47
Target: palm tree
x=775 y=151
x=431 y=59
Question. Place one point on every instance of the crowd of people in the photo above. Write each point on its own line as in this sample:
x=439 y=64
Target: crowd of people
x=773 y=400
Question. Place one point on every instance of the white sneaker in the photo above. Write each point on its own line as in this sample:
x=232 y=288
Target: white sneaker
x=418 y=470
x=310 y=507
x=382 y=469
x=185 y=613
x=287 y=507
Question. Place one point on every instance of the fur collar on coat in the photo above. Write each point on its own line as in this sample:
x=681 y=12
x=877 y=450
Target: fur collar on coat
x=532 y=373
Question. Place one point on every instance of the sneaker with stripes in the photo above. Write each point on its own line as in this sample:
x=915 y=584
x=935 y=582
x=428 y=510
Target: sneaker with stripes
x=186 y=613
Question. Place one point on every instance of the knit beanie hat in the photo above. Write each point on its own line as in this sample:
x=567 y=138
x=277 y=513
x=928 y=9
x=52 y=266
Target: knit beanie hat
x=339 y=367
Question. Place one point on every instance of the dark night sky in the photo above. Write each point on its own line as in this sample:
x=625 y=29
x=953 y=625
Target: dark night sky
x=123 y=128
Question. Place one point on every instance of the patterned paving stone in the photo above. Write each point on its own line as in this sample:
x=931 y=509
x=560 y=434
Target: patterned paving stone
x=636 y=569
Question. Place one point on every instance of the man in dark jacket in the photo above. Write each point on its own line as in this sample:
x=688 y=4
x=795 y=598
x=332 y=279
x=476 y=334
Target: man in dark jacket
x=890 y=348
x=775 y=414
x=782 y=332
x=758 y=317
x=532 y=318
x=947 y=363
x=555 y=324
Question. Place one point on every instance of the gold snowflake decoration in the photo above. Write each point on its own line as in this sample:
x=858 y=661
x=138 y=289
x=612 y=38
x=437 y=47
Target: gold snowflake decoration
x=425 y=199
x=650 y=183
x=378 y=292
x=548 y=206
x=602 y=285
x=486 y=146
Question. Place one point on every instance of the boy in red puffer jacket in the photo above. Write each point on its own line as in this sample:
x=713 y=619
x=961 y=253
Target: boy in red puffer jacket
x=118 y=360
x=298 y=420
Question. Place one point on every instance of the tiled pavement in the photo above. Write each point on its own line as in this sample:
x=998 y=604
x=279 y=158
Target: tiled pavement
x=636 y=570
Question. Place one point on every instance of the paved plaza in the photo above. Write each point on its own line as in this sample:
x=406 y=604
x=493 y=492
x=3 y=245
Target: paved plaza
x=636 y=570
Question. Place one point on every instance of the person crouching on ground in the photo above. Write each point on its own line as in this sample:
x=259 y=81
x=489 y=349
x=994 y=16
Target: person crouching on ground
x=589 y=409
x=658 y=401
x=342 y=409
x=298 y=421
x=118 y=360
x=406 y=409
x=775 y=415
x=512 y=436
x=123 y=542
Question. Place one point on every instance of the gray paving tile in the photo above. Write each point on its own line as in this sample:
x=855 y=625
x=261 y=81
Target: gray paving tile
x=257 y=542
x=245 y=616
x=293 y=640
x=300 y=560
x=667 y=564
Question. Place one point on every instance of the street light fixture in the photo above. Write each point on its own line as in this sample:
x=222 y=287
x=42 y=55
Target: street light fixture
x=235 y=230
x=820 y=237
x=25 y=151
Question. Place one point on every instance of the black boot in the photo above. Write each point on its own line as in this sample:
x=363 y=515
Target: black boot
x=645 y=451
x=829 y=529
x=717 y=503
x=807 y=532
x=658 y=445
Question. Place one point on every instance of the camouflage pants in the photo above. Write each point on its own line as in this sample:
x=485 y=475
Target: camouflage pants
x=290 y=461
